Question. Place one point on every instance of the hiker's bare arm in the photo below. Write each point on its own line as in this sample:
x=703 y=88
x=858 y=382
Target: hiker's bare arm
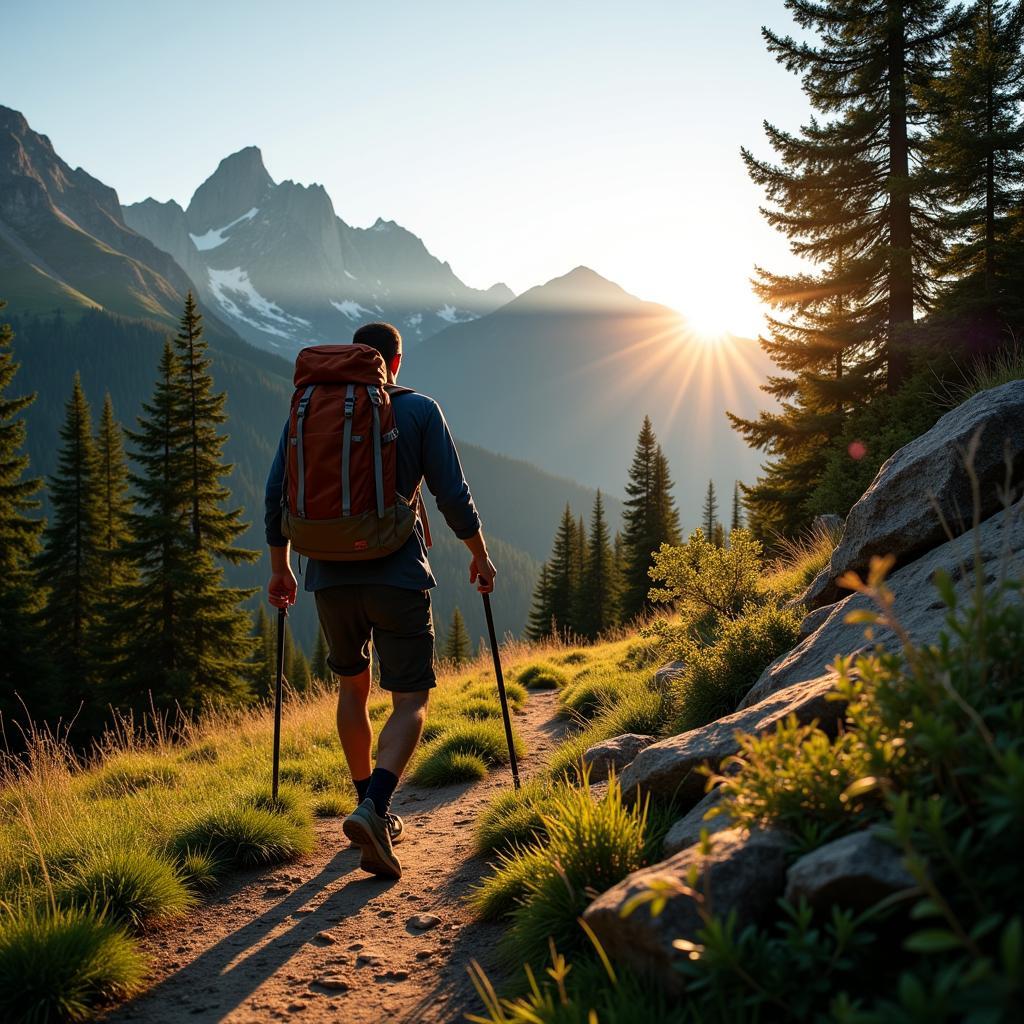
x=481 y=568
x=282 y=588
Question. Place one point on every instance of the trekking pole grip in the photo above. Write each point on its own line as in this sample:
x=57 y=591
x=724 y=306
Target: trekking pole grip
x=502 y=696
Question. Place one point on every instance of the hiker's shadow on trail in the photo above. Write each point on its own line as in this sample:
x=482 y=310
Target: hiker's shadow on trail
x=232 y=969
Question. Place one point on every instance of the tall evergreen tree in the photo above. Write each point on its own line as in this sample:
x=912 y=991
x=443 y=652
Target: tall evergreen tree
x=70 y=568
x=457 y=648
x=561 y=569
x=709 y=512
x=976 y=156
x=262 y=659
x=538 y=625
x=737 y=508
x=214 y=528
x=114 y=501
x=318 y=666
x=579 y=597
x=190 y=640
x=296 y=664
x=846 y=194
x=598 y=605
x=22 y=670
x=650 y=519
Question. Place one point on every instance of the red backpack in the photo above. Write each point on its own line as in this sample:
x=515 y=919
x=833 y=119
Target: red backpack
x=339 y=500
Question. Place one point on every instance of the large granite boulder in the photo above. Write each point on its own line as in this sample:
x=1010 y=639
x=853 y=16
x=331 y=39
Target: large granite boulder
x=744 y=871
x=918 y=607
x=855 y=872
x=614 y=754
x=686 y=831
x=670 y=768
x=898 y=513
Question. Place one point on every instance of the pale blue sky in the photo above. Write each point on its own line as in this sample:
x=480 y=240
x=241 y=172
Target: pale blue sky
x=518 y=139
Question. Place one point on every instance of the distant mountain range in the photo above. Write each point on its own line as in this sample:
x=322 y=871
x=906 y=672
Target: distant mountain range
x=278 y=265
x=564 y=374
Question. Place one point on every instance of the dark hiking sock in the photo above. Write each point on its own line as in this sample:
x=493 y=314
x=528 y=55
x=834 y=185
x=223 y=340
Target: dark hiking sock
x=381 y=789
x=362 y=785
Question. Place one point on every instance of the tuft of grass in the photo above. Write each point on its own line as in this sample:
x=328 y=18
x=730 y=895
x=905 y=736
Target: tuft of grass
x=132 y=887
x=202 y=753
x=500 y=892
x=800 y=560
x=1005 y=366
x=199 y=870
x=513 y=818
x=444 y=767
x=572 y=658
x=591 y=690
x=131 y=772
x=319 y=768
x=541 y=676
x=61 y=964
x=333 y=805
x=244 y=837
x=291 y=801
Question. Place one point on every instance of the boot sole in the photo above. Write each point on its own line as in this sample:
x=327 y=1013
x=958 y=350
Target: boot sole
x=374 y=857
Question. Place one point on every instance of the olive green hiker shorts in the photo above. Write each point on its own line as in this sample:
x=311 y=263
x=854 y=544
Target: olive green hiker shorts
x=397 y=621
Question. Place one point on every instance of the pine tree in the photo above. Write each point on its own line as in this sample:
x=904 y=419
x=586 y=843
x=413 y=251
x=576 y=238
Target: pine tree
x=650 y=519
x=189 y=639
x=709 y=513
x=115 y=504
x=296 y=664
x=262 y=658
x=561 y=568
x=597 y=609
x=456 y=645
x=843 y=192
x=22 y=668
x=539 y=623
x=70 y=567
x=318 y=666
x=214 y=529
x=976 y=155
x=579 y=597
x=737 y=508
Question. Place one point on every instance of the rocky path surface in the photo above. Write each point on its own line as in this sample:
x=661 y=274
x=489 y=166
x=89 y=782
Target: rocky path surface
x=320 y=940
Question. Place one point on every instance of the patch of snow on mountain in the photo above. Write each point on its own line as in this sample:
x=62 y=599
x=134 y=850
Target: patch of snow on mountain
x=215 y=236
x=451 y=314
x=259 y=312
x=351 y=309
x=351 y=276
x=415 y=320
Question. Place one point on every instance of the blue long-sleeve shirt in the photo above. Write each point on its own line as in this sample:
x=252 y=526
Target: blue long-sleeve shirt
x=425 y=451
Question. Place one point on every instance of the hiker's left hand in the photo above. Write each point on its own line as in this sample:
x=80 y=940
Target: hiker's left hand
x=282 y=588
x=482 y=573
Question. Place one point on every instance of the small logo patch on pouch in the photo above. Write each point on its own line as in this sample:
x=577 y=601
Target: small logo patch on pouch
x=361 y=545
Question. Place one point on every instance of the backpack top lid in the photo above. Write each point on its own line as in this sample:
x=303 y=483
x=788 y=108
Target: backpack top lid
x=340 y=364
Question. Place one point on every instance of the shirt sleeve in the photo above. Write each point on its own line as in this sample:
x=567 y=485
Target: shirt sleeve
x=443 y=475
x=272 y=498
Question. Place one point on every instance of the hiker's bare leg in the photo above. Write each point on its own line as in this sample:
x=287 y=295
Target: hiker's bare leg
x=402 y=731
x=354 y=729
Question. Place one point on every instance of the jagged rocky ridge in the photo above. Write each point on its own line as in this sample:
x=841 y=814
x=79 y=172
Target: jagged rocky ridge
x=285 y=271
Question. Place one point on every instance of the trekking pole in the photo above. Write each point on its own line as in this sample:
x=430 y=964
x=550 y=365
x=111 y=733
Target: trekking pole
x=503 y=697
x=282 y=614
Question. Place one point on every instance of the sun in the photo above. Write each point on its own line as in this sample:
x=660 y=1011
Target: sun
x=715 y=313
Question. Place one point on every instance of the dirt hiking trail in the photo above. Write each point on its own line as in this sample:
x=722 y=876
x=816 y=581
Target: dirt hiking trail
x=321 y=940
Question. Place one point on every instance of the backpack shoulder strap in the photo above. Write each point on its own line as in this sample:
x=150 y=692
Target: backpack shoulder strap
x=397 y=389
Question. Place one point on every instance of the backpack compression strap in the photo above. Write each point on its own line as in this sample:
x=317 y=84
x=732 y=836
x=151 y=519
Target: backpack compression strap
x=300 y=416
x=346 y=451
x=378 y=463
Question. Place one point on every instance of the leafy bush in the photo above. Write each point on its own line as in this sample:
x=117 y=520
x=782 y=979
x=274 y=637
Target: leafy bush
x=717 y=677
x=243 y=837
x=127 y=886
x=61 y=964
x=719 y=580
x=541 y=676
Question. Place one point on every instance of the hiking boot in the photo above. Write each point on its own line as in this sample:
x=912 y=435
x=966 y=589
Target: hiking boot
x=396 y=829
x=372 y=834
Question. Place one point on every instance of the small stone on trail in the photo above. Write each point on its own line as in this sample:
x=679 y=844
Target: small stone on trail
x=276 y=890
x=334 y=982
x=392 y=975
x=326 y=937
x=425 y=954
x=356 y=946
x=424 y=922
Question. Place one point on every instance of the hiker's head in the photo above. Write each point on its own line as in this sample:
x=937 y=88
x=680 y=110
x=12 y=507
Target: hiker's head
x=386 y=340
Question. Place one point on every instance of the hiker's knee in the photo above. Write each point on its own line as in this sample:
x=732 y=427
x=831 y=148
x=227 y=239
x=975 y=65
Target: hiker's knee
x=354 y=689
x=413 y=704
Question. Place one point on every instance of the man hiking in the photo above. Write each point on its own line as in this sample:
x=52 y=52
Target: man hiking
x=344 y=489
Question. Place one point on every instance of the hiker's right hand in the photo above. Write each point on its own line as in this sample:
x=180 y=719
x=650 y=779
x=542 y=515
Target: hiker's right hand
x=482 y=573
x=282 y=588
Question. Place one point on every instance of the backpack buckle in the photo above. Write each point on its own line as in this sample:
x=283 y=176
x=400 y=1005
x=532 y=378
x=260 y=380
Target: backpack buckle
x=350 y=404
x=374 y=394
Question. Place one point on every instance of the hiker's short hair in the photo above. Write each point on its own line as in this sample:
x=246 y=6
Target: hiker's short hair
x=381 y=336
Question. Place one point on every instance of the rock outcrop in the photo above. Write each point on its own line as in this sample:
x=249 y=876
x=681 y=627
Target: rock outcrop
x=999 y=542
x=856 y=872
x=899 y=512
x=744 y=872
x=671 y=767
x=614 y=754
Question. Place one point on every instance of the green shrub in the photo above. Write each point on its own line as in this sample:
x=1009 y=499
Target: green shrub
x=243 y=837
x=590 y=846
x=127 y=886
x=443 y=766
x=129 y=773
x=513 y=817
x=718 y=677
x=62 y=964
x=541 y=676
